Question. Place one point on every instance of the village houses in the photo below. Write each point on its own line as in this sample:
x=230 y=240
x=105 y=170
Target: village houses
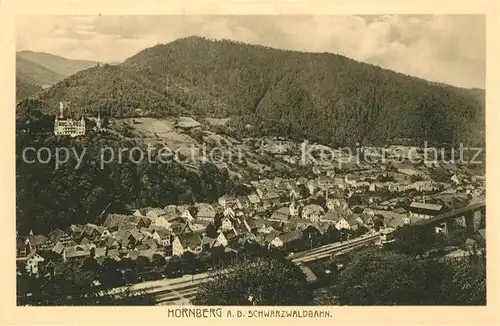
x=33 y=261
x=186 y=242
x=287 y=239
x=206 y=213
x=276 y=212
x=312 y=212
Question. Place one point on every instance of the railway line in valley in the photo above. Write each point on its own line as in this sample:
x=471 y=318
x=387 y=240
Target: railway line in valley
x=182 y=290
x=333 y=249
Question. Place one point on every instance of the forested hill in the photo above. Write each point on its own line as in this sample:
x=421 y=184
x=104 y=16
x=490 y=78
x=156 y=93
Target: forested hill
x=117 y=91
x=57 y=64
x=317 y=96
x=36 y=74
x=24 y=88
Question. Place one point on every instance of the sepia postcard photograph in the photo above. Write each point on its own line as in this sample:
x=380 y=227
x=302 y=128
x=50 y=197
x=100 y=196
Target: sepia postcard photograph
x=204 y=161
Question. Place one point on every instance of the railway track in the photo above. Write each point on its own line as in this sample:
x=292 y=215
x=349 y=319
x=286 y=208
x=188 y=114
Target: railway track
x=336 y=251
x=332 y=248
x=173 y=291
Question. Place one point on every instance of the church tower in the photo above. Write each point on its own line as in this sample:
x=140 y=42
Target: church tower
x=294 y=211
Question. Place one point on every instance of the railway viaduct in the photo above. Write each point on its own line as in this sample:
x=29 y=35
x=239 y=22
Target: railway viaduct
x=472 y=217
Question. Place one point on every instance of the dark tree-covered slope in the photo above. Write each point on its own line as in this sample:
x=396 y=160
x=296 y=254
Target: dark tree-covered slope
x=113 y=90
x=49 y=197
x=25 y=89
x=35 y=73
x=317 y=96
x=61 y=66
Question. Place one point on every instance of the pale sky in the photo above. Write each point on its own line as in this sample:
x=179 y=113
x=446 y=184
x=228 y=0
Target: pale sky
x=442 y=48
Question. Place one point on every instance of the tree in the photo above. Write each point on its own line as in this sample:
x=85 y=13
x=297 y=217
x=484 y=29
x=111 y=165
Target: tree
x=90 y=265
x=457 y=236
x=205 y=260
x=241 y=190
x=110 y=274
x=161 y=184
x=253 y=249
x=105 y=122
x=173 y=266
x=416 y=177
x=414 y=240
x=440 y=241
x=72 y=287
x=142 y=263
x=354 y=200
x=127 y=263
x=129 y=276
x=258 y=281
x=464 y=281
x=378 y=222
x=332 y=235
x=189 y=262
x=218 y=219
x=382 y=278
x=276 y=253
x=377 y=277
x=158 y=261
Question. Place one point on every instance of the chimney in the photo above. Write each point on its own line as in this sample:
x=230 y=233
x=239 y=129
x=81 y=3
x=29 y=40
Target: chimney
x=61 y=109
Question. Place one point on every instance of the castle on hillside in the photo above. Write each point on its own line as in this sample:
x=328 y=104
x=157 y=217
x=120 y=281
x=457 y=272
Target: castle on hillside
x=67 y=126
x=64 y=125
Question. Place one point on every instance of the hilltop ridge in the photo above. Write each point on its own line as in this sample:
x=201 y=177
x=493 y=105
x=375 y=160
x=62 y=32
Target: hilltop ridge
x=317 y=96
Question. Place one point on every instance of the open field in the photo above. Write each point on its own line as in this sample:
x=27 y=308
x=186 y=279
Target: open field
x=154 y=131
x=217 y=121
x=239 y=158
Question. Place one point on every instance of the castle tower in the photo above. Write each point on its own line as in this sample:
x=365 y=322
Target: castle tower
x=65 y=125
x=27 y=246
x=293 y=207
x=56 y=125
x=99 y=121
x=61 y=110
x=81 y=127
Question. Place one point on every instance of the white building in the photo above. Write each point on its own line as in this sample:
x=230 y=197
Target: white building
x=68 y=126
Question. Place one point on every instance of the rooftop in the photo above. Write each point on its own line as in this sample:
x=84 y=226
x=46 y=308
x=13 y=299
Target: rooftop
x=432 y=207
x=190 y=240
x=290 y=236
